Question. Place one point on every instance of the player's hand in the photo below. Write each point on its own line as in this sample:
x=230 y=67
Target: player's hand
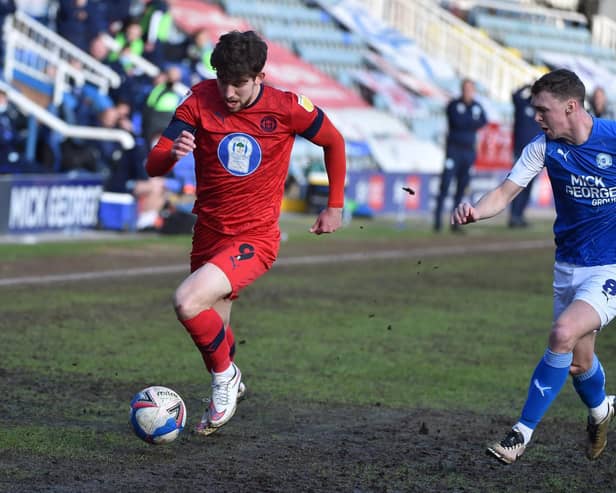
x=183 y=144
x=464 y=213
x=329 y=220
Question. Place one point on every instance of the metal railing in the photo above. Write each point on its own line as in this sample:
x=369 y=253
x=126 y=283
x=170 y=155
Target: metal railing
x=143 y=65
x=471 y=53
x=43 y=56
x=557 y=14
x=604 y=31
x=32 y=47
x=28 y=107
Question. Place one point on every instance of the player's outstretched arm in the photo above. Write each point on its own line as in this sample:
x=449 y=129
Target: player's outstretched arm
x=491 y=204
x=464 y=213
x=332 y=142
x=329 y=220
x=167 y=152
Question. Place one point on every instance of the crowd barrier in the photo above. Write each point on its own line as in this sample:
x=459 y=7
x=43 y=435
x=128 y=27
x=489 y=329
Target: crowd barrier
x=55 y=203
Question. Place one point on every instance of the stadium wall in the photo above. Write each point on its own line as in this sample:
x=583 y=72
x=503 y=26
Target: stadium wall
x=55 y=203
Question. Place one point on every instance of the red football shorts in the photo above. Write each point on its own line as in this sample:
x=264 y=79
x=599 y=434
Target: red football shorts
x=243 y=258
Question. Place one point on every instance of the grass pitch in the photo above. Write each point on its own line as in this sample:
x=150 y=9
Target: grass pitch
x=448 y=325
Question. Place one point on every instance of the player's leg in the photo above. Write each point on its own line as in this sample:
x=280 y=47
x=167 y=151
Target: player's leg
x=597 y=289
x=446 y=177
x=194 y=305
x=202 y=305
x=241 y=262
x=514 y=443
x=546 y=382
x=549 y=377
x=226 y=383
x=589 y=383
x=463 y=177
x=223 y=307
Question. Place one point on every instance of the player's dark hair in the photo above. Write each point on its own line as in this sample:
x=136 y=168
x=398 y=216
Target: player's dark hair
x=238 y=55
x=562 y=84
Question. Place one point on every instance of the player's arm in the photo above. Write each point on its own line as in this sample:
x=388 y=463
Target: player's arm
x=528 y=166
x=330 y=139
x=177 y=141
x=491 y=204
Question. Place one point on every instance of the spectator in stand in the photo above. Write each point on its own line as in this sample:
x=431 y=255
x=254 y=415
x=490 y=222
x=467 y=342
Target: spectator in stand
x=162 y=102
x=132 y=87
x=117 y=13
x=164 y=42
x=126 y=170
x=524 y=129
x=7 y=7
x=199 y=52
x=127 y=119
x=598 y=104
x=80 y=21
x=130 y=41
x=40 y=10
x=11 y=141
x=82 y=103
x=465 y=116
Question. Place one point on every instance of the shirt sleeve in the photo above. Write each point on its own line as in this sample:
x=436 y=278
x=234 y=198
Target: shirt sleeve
x=160 y=160
x=332 y=142
x=313 y=124
x=530 y=162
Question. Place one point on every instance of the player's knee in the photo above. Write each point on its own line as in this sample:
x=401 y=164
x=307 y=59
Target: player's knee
x=185 y=305
x=562 y=338
x=188 y=302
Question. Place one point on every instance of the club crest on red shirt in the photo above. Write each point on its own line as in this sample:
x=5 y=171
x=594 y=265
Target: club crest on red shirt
x=240 y=154
x=268 y=124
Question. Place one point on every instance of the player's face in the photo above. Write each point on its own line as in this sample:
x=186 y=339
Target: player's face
x=238 y=94
x=551 y=114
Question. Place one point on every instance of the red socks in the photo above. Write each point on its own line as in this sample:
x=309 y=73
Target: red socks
x=208 y=332
x=230 y=342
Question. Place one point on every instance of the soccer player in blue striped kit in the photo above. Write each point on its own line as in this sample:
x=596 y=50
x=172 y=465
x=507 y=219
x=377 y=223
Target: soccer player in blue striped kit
x=578 y=152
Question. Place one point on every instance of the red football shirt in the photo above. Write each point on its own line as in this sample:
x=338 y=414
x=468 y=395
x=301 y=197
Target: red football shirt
x=242 y=158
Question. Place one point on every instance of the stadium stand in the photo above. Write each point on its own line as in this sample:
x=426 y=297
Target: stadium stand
x=533 y=33
x=309 y=31
x=402 y=58
x=558 y=36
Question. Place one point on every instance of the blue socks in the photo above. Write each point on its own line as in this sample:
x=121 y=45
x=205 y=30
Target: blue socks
x=547 y=381
x=591 y=385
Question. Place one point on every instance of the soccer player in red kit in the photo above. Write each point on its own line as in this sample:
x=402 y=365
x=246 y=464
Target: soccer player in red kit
x=241 y=132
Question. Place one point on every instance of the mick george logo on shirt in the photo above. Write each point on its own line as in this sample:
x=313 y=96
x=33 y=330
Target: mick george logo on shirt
x=592 y=188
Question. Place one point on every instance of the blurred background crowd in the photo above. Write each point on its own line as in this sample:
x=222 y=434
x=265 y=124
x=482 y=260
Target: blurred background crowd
x=88 y=85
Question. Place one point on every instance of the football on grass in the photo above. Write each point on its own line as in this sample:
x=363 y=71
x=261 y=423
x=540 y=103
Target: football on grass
x=157 y=414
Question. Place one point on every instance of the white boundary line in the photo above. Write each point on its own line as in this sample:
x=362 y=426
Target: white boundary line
x=427 y=251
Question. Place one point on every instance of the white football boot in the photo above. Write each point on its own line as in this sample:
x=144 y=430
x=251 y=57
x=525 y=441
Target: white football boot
x=222 y=403
x=509 y=449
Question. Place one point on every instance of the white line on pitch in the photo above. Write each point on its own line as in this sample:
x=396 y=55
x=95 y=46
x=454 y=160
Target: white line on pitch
x=428 y=251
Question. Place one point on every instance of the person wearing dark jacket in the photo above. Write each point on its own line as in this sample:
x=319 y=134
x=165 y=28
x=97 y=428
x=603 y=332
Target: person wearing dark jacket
x=465 y=116
x=80 y=21
x=524 y=129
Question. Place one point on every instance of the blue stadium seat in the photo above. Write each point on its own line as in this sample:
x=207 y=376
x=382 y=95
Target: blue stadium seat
x=275 y=12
